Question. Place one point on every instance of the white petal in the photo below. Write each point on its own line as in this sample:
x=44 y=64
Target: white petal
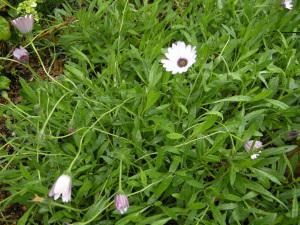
x=51 y=193
x=56 y=196
x=66 y=198
x=180 y=45
x=254 y=156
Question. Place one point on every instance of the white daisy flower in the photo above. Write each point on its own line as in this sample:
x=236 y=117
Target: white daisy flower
x=288 y=4
x=179 y=58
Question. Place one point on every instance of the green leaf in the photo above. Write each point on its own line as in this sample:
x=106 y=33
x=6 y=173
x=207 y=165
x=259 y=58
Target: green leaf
x=217 y=215
x=154 y=75
x=277 y=103
x=143 y=177
x=278 y=150
x=237 y=98
x=161 y=221
x=183 y=107
x=84 y=189
x=265 y=174
x=247 y=55
x=152 y=98
x=161 y=188
x=5 y=29
x=28 y=90
x=74 y=71
x=24 y=218
x=227 y=206
x=262 y=95
x=94 y=210
x=195 y=184
x=232 y=175
x=216 y=113
x=260 y=189
x=269 y=219
x=209 y=121
x=295 y=207
x=4 y=83
x=174 y=136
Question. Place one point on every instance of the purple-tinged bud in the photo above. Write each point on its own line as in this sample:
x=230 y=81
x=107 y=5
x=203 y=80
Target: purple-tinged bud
x=121 y=203
x=251 y=144
x=21 y=54
x=24 y=23
x=292 y=135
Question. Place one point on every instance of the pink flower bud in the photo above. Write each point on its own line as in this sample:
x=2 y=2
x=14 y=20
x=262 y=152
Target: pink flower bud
x=62 y=187
x=121 y=203
x=21 y=54
x=24 y=24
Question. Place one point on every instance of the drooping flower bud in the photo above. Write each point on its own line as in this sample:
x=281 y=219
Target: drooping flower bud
x=21 y=54
x=62 y=187
x=121 y=203
x=24 y=23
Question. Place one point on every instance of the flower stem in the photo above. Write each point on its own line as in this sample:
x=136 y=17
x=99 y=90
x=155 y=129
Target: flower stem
x=88 y=129
x=120 y=176
x=44 y=68
x=9 y=5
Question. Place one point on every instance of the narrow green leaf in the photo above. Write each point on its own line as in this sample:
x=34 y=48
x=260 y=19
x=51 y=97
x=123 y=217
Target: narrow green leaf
x=24 y=218
x=265 y=174
x=217 y=214
x=277 y=103
x=161 y=188
x=5 y=29
x=237 y=98
x=28 y=90
x=262 y=95
x=161 y=221
x=152 y=98
x=175 y=136
x=209 y=121
x=4 y=83
x=295 y=207
x=154 y=75
x=232 y=175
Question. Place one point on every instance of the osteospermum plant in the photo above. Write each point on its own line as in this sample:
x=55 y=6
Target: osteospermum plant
x=158 y=112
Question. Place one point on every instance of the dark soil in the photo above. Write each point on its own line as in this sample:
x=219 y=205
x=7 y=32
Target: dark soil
x=12 y=213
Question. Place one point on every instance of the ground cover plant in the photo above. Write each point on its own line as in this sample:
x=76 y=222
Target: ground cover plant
x=100 y=126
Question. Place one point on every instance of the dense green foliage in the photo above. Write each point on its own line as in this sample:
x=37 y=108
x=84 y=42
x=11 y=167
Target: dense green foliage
x=180 y=137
